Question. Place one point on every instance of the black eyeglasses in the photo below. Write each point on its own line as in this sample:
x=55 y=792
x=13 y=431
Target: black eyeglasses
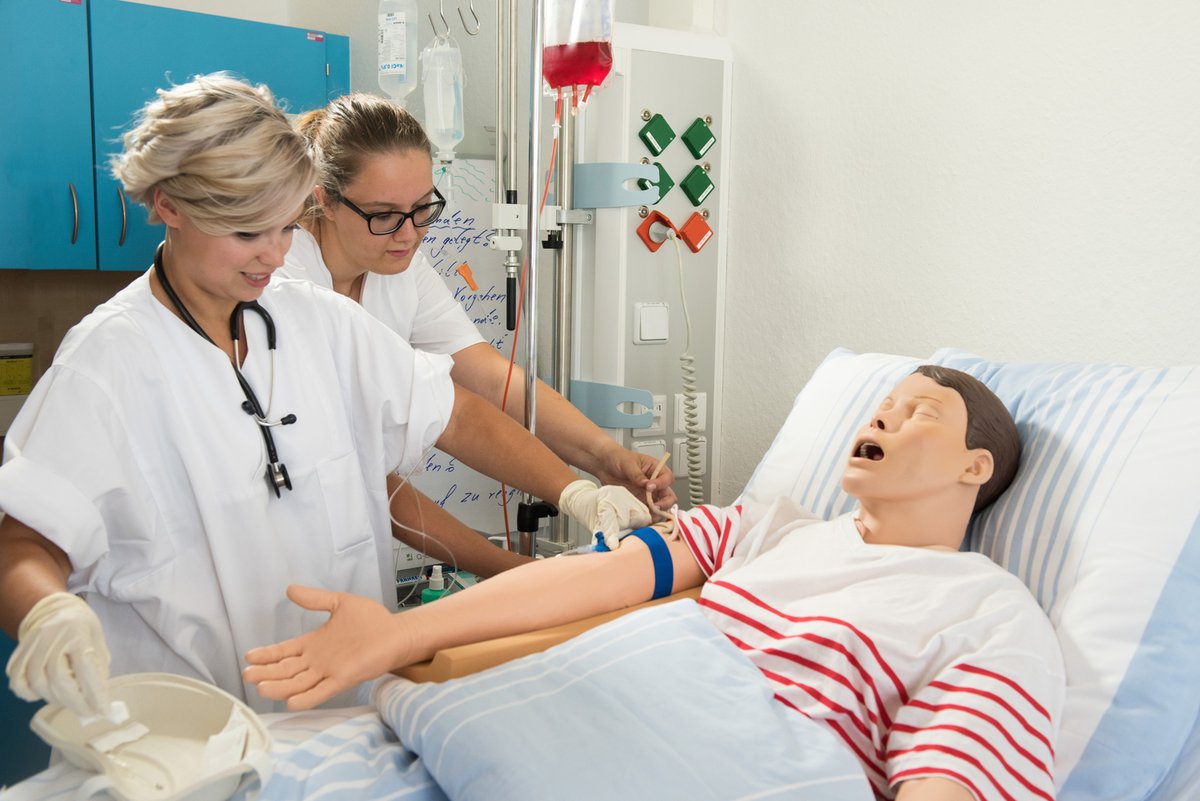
x=382 y=223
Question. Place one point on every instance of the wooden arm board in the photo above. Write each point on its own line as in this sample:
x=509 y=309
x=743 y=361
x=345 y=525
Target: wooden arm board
x=463 y=660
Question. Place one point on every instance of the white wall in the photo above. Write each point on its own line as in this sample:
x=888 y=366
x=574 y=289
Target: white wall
x=272 y=11
x=1021 y=179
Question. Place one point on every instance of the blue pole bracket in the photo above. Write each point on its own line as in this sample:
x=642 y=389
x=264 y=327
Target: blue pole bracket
x=602 y=185
x=601 y=403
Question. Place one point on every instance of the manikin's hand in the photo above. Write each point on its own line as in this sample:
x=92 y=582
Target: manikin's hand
x=604 y=510
x=61 y=656
x=356 y=644
x=635 y=471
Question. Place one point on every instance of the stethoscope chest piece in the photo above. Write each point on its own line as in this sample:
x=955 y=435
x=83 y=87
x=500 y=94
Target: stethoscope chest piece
x=278 y=478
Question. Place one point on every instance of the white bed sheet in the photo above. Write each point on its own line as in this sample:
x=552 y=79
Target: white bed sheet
x=336 y=753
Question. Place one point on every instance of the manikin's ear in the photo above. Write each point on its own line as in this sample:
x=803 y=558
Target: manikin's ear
x=323 y=201
x=980 y=468
x=165 y=208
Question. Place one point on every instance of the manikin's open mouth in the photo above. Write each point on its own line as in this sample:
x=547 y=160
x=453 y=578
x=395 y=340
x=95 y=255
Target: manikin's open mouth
x=869 y=450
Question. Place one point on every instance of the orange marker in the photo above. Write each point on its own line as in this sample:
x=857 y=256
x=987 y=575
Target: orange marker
x=464 y=270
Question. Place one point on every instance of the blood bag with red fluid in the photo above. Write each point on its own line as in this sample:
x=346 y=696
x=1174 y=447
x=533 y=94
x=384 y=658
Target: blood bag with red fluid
x=578 y=50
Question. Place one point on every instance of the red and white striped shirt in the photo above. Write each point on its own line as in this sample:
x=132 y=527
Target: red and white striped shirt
x=922 y=662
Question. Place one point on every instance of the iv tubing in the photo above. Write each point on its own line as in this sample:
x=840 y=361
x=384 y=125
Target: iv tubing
x=563 y=269
x=533 y=221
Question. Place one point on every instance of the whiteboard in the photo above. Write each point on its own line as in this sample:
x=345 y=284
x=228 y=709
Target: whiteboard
x=462 y=235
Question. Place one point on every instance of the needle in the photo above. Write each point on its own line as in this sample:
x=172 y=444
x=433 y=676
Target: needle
x=654 y=510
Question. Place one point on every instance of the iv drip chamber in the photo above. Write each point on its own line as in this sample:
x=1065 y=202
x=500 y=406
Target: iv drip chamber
x=442 y=73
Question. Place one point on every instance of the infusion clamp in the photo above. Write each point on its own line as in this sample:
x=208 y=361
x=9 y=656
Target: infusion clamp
x=511 y=217
x=507 y=217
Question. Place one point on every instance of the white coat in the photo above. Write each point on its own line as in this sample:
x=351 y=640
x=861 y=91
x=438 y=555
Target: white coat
x=134 y=456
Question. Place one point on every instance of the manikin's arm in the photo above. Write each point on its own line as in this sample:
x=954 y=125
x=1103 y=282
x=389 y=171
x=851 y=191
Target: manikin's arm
x=933 y=789
x=362 y=640
x=574 y=438
x=422 y=524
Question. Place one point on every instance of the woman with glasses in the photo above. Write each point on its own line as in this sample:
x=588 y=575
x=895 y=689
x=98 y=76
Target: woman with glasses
x=209 y=436
x=372 y=205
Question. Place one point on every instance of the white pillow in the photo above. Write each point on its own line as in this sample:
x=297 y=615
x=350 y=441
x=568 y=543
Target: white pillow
x=1102 y=522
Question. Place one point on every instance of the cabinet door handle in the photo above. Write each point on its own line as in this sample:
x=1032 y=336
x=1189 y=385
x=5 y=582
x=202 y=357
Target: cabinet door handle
x=124 y=217
x=75 y=207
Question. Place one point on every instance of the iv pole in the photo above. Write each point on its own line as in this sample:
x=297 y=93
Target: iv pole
x=529 y=511
x=506 y=139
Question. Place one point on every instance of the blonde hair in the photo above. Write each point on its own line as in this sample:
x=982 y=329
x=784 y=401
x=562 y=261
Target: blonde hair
x=221 y=151
x=351 y=129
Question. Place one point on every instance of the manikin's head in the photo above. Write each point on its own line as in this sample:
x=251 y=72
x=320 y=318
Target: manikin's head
x=939 y=434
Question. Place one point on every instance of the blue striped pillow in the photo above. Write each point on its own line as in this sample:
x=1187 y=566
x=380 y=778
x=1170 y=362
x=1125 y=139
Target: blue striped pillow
x=1102 y=523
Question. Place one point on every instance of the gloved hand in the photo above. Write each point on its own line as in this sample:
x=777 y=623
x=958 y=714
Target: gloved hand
x=607 y=510
x=61 y=656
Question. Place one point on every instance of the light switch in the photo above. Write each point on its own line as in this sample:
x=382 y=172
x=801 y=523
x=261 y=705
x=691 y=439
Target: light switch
x=679 y=457
x=653 y=323
x=654 y=448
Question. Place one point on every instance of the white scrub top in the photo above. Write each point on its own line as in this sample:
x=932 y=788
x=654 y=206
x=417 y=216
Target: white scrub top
x=134 y=456
x=416 y=303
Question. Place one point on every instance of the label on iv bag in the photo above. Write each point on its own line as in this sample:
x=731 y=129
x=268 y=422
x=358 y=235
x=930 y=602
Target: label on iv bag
x=393 y=43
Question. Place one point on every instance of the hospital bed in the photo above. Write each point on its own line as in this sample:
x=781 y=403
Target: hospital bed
x=1102 y=523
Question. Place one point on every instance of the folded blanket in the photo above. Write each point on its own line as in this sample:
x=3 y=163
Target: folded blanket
x=655 y=704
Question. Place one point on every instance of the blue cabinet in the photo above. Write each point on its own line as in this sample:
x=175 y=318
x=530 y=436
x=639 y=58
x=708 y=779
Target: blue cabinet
x=47 y=211
x=135 y=49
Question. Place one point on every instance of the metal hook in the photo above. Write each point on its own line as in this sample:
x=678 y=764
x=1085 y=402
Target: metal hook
x=467 y=28
x=445 y=23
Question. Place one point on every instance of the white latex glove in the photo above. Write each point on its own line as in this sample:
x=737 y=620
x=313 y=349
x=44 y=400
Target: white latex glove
x=607 y=510
x=61 y=656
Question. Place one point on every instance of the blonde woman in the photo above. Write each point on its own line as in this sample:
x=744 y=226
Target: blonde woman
x=373 y=203
x=209 y=435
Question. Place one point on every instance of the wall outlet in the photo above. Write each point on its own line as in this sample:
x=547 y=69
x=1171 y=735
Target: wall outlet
x=658 y=424
x=701 y=412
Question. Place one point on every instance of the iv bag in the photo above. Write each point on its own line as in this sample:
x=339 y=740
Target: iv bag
x=397 y=47
x=578 y=50
x=441 y=63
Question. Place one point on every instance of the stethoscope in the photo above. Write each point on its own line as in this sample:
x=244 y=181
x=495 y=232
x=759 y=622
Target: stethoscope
x=277 y=474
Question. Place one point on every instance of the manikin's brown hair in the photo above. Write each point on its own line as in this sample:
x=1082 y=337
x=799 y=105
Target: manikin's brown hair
x=989 y=426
